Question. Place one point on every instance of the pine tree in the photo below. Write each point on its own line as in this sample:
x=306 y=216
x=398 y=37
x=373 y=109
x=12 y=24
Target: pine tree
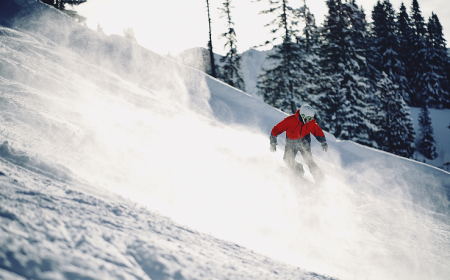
x=355 y=84
x=394 y=130
x=418 y=63
x=370 y=71
x=441 y=49
x=309 y=72
x=331 y=62
x=279 y=85
x=310 y=39
x=358 y=22
x=427 y=145
x=436 y=56
x=343 y=61
x=387 y=44
x=210 y=46
x=230 y=73
x=405 y=34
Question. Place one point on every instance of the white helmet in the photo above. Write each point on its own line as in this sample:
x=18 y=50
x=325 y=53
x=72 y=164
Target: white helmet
x=306 y=113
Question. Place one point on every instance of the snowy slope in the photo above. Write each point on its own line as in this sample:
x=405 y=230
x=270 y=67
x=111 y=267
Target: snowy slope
x=103 y=135
x=253 y=63
x=67 y=234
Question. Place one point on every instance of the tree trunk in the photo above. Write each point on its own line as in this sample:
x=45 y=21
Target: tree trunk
x=211 y=54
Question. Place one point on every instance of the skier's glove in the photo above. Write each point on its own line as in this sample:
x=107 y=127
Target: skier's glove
x=324 y=146
x=273 y=140
x=273 y=143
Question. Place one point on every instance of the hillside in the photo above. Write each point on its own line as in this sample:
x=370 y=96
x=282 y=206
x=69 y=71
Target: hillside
x=119 y=163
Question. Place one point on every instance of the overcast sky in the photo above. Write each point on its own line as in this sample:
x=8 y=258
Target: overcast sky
x=165 y=26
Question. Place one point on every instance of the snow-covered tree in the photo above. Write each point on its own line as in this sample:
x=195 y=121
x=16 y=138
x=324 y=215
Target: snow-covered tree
x=418 y=62
x=427 y=145
x=309 y=74
x=437 y=58
x=428 y=61
x=388 y=46
x=279 y=85
x=405 y=34
x=394 y=130
x=310 y=39
x=370 y=71
x=343 y=61
x=331 y=62
x=230 y=72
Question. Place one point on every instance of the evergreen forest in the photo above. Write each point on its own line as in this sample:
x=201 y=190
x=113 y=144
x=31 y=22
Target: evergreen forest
x=362 y=76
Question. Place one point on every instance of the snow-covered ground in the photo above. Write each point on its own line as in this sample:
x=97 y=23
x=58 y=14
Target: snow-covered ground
x=51 y=230
x=122 y=164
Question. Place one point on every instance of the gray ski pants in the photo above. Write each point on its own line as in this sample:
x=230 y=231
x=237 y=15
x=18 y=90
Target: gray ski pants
x=291 y=150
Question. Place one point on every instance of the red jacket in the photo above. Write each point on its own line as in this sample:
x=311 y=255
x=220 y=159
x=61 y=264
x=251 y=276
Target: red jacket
x=296 y=129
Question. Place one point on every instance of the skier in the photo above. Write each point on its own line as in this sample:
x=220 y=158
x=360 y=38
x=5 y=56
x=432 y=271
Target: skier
x=298 y=128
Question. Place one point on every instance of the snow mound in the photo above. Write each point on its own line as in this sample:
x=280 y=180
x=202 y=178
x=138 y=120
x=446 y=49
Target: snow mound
x=57 y=172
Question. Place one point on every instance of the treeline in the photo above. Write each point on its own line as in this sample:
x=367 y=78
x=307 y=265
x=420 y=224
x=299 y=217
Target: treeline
x=361 y=77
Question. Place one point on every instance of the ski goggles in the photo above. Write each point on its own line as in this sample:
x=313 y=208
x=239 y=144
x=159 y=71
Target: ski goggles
x=307 y=119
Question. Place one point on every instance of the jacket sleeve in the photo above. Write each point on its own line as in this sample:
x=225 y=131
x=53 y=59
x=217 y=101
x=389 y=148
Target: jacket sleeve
x=280 y=127
x=277 y=130
x=318 y=133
